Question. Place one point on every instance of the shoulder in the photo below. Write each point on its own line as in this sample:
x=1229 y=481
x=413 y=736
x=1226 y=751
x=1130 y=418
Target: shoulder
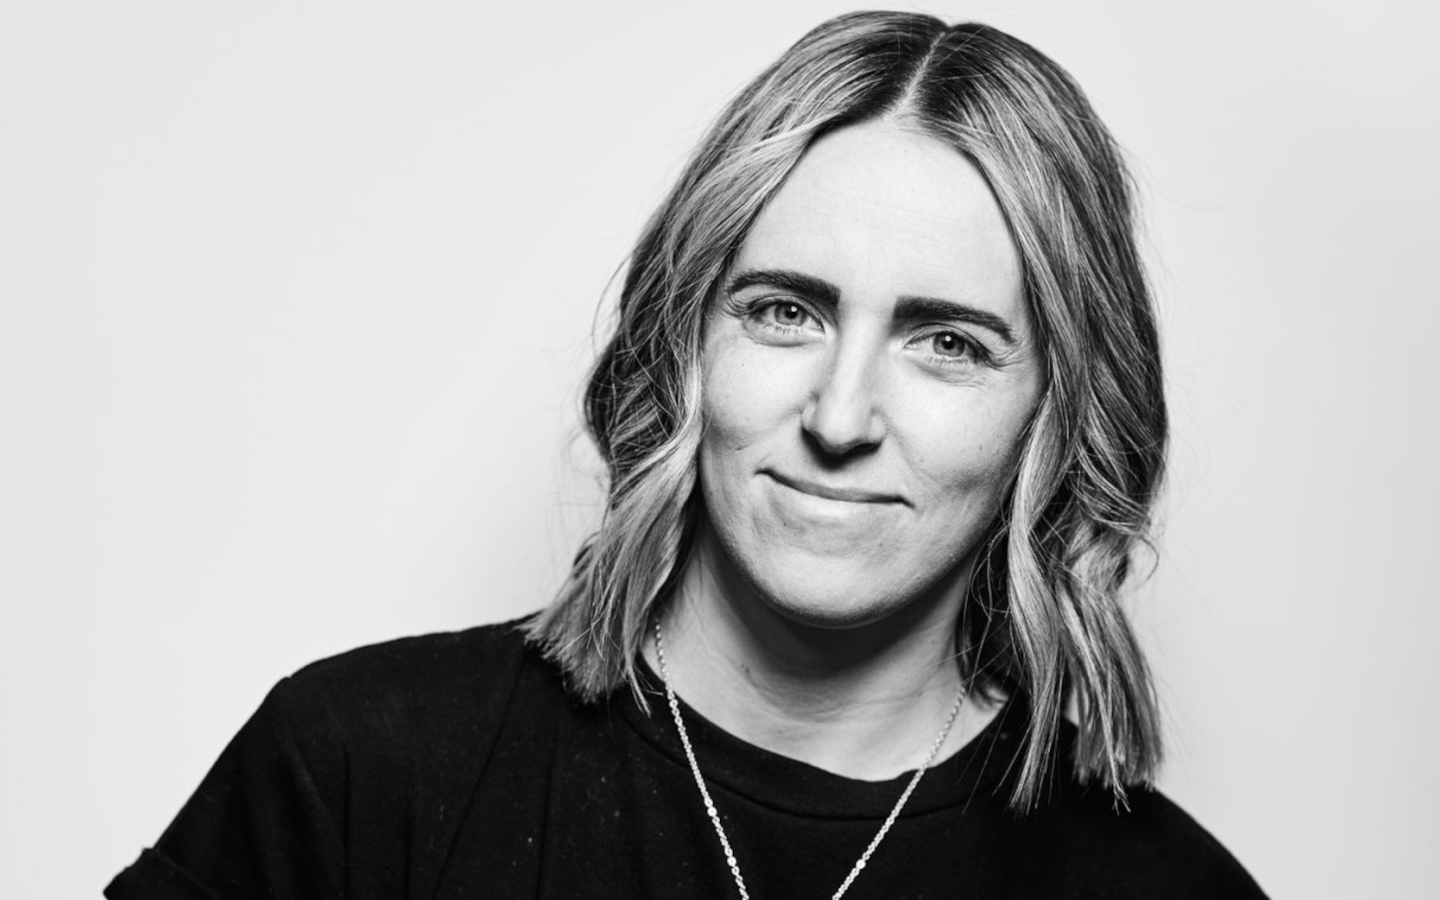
x=364 y=749
x=1147 y=847
x=434 y=691
x=419 y=667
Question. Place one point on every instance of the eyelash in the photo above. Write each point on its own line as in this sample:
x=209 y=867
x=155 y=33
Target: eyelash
x=975 y=352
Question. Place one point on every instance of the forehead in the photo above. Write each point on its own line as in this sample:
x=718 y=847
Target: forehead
x=878 y=208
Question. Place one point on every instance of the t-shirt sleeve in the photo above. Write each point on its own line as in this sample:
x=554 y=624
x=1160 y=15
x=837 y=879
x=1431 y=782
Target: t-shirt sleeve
x=265 y=822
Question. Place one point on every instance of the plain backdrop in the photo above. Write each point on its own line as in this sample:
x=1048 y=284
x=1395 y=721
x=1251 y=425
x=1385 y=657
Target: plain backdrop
x=294 y=301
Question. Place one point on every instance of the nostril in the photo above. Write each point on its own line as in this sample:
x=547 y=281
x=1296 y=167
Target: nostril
x=841 y=430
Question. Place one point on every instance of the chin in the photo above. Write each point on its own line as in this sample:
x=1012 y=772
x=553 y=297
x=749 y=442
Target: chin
x=833 y=595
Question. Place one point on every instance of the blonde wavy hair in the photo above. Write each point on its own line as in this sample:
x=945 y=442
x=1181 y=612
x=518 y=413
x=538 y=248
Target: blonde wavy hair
x=1043 y=615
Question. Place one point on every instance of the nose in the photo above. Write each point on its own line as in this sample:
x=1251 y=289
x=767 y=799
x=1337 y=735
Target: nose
x=843 y=415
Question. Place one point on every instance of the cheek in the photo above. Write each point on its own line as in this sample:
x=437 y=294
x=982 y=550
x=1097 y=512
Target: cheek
x=748 y=394
x=966 y=459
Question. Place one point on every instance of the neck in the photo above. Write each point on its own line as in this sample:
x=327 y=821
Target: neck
x=863 y=701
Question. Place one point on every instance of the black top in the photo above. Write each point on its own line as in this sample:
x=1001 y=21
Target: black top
x=457 y=766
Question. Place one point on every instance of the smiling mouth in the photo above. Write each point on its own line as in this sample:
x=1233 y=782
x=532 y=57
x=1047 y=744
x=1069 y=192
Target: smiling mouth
x=832 y=492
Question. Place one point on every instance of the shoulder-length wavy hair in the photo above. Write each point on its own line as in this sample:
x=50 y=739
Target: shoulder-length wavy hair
x=1042 y=615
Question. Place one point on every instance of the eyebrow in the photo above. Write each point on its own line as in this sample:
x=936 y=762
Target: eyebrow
x=807 y=286
x=908 y=308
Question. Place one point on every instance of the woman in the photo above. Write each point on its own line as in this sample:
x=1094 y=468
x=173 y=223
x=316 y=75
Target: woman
x=884 y=425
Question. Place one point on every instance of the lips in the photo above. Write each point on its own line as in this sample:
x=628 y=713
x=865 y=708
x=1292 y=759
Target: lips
x=844 y=493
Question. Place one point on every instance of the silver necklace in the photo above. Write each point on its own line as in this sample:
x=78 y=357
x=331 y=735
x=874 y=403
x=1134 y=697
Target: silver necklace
x=715 y=816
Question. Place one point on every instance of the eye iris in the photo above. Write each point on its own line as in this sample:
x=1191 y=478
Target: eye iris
x=790 y=313
x=948 y=343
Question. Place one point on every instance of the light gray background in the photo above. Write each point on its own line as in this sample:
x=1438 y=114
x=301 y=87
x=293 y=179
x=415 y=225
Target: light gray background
x=294 y=299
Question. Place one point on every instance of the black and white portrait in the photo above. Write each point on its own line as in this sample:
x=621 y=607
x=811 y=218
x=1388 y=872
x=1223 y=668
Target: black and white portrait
x=718 y=451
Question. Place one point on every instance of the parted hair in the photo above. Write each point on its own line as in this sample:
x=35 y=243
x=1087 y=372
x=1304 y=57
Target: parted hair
x=1043 y=614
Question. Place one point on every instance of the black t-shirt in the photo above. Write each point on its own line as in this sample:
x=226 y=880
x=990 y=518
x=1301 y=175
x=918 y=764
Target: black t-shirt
x=457 y=766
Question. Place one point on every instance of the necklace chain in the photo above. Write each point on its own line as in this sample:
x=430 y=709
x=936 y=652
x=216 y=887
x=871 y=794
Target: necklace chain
x=715 y=816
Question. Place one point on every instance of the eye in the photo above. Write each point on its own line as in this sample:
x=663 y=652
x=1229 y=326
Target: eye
x=950 y=345
x=787 y=313
x=949 y=348
x=788 y=316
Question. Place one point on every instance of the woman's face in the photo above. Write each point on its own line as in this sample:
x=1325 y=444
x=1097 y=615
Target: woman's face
x=868 y=371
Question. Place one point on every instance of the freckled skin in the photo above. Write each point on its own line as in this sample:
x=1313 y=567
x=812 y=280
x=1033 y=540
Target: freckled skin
x=854 y=398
